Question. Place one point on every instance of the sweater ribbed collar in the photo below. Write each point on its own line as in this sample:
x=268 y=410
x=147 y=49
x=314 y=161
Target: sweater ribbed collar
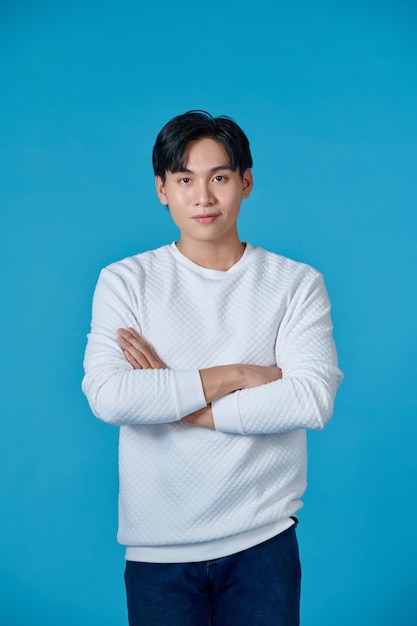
x=207 y=272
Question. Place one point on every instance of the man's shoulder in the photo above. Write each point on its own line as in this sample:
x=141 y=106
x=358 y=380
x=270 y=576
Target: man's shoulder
x=132 y=272
x=140 y=260
x=282 y=264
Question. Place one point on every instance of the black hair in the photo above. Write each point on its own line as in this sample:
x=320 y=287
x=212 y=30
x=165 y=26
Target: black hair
x=171 y=142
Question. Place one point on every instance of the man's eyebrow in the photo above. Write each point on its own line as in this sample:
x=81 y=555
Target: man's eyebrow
x=218 y=168
x=221 y=167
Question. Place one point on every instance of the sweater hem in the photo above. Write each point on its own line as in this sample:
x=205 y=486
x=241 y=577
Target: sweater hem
x=194 y=552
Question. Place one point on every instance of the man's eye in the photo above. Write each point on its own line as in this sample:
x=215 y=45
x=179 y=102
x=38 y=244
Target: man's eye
x=219 y=178
x=185 y=180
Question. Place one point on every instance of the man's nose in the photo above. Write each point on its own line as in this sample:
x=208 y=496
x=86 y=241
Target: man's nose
x=203 y=194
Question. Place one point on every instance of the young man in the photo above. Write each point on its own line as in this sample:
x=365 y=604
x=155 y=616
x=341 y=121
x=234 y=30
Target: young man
x=213 y=357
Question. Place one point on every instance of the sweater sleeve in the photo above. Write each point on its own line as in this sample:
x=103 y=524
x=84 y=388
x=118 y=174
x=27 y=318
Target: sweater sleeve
x=116 y=392
x=306 y=353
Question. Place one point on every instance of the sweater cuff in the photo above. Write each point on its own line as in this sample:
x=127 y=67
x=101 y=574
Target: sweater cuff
x=226 y=414
x=189 y=394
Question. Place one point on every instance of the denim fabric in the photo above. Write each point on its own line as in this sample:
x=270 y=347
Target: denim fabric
x=259 y=586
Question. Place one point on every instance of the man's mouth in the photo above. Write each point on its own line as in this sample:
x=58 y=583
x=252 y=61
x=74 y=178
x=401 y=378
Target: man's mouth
x=206 y=218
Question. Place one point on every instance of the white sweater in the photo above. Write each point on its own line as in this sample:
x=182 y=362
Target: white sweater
x=188 y=493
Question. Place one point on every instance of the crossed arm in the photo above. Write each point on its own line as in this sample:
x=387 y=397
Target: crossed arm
x=236 y=398
x=217 y=381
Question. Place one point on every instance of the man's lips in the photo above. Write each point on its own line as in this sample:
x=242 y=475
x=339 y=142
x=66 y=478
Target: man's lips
x=206 y=218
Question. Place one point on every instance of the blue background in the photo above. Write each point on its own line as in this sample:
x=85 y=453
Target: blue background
x=327 y=93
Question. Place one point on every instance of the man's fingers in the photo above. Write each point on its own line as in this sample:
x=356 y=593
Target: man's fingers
x=140 y=351
x=137 y=357
x=130 y=359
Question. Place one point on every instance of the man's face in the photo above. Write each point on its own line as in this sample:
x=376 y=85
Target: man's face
x=204 y=199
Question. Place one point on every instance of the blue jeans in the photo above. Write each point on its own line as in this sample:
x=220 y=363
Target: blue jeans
x=255 y=587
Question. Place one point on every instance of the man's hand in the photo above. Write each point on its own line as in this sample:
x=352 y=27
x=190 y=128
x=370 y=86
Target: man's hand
x=202 y=418
x=138 y=353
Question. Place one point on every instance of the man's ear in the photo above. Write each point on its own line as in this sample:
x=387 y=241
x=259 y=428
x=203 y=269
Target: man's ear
x=160 y=190
x=247 y=183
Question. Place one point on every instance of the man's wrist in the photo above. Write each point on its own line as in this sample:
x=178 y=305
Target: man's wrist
x=220 y=380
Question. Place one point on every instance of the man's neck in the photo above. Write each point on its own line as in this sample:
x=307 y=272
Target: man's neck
x=211 y=255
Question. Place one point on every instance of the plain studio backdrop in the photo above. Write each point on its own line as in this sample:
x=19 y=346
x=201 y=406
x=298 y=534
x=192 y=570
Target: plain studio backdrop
x=327 y=93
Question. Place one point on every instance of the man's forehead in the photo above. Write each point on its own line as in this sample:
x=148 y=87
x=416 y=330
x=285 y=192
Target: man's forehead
x=206 y=152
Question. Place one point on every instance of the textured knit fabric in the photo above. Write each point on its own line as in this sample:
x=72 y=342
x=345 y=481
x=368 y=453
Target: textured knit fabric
x=181 y=485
